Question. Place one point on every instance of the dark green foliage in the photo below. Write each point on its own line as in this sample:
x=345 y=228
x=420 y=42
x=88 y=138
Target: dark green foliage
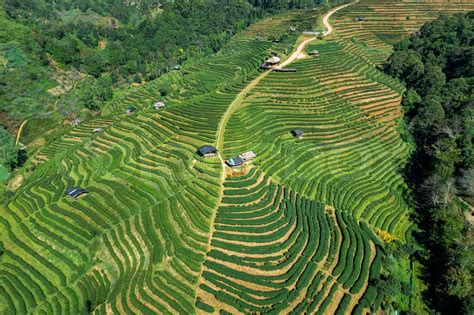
x=437 y=66
x=9 y=152
x=114 y=42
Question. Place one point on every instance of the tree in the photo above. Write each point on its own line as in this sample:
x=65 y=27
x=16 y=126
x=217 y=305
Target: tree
x=9 y=152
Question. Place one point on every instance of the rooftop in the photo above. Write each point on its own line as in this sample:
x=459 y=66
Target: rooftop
x=159 y=105
x=247 y=156
x=206 y=149
x=235 y=161
x=75 y=192
x=273 y=60
x=297 y=132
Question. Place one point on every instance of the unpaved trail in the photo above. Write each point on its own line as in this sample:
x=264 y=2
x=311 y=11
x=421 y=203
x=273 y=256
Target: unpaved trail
x=238 y=100
x=18 y=134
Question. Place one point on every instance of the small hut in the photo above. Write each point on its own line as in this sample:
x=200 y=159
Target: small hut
x=297 y=133
x=96 y=130
x=207 y=151
x=285 y=70
x=76 y=192
x=159 y=105
x=359 y=19
x=130 y=110
x=314 y=53
x=235 y=161
x=271 y=62
x=76 y=122
x=247 y=156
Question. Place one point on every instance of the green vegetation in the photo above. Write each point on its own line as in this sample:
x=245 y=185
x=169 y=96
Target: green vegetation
x=137 y=241
x=55 y=55
x=437 y=67
x=8 y=150
x=350 y=151
x=315 y=225
x=275 y=251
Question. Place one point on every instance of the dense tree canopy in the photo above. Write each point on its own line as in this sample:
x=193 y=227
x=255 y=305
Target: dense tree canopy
x=437 y=66
x=122 y=40
x=8 y=150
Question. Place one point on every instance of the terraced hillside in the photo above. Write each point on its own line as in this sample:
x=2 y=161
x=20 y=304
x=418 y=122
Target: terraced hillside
x=351 y=150
x=276 y=251
x=136 y=242
x=263 y=257
x=162 y=230
x=387 y=22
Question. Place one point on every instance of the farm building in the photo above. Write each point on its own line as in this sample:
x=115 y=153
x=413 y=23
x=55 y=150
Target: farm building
x=298 y=133
x=359 y=19
x=207 y=150
x=76 y=192
x=285 y=70
x=311 y=33
x=97 y=130
x=159 y=105
x=247 y=156
x=130 y=110
x=271 y=62
x=314 y=53
x=235 y=161
x=76 y=122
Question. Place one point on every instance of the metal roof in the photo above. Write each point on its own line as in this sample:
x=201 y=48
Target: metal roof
x=297 y=132
x=273 y=59
x=75 y=192
x=206 y=149
x=247 y=156
x=235 y=161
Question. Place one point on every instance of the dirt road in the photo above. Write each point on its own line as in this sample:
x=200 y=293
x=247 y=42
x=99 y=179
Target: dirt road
x=238 y=100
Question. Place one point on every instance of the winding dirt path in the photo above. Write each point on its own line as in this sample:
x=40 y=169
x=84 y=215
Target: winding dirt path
x=18 y=134
x=238 y=100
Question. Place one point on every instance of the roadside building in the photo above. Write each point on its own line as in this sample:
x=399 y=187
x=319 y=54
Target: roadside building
x=247 y=156
x=235 y=161
x=271 y=62
x=285 y=70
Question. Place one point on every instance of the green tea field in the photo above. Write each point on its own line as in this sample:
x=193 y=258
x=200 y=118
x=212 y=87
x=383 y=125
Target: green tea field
x=302 y=229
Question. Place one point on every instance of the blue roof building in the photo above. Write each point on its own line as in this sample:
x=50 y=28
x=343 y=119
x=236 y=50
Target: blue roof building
x=76 y=192
x=235 y=161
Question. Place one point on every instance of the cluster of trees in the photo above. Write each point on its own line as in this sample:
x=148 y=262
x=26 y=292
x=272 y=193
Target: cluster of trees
x=129 y=42
x=9 y=152
x=437 y=66
x=120 y=40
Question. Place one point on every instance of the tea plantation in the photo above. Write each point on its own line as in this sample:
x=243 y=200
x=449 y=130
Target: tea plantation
x=164 y=230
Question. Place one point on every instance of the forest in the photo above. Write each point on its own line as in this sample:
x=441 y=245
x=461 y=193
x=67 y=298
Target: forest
x=112 y=41
x=437 y=67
